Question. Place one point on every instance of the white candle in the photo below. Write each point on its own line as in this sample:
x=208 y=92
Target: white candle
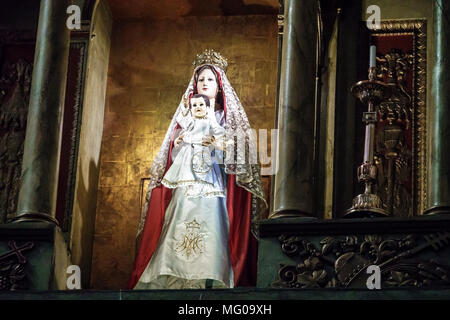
x=373 y=54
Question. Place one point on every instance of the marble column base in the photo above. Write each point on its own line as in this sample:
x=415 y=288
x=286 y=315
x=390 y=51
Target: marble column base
x=438 y=209
x=290 y=214
x=34 y=217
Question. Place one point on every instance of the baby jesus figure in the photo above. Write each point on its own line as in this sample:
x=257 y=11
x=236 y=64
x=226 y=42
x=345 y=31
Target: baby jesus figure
x=195 y=167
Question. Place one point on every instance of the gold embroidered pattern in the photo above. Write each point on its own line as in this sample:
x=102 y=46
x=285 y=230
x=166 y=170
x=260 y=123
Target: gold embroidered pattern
x=210 y=194
x=201 y=162
x=192 y=241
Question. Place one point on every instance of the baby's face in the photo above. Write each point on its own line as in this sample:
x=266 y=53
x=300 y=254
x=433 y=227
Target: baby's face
x=198 y=107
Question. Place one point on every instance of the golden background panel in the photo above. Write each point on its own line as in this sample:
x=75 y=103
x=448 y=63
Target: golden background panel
x=150 y=67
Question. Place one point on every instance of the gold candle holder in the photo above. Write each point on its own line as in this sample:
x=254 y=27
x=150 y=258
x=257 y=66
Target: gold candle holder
x=372 y=93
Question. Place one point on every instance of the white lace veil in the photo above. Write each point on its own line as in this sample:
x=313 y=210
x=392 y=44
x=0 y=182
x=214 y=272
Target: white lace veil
x=240 y=155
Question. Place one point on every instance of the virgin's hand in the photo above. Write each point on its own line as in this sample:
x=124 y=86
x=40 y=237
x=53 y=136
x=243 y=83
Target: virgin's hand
x=219 y=144
x=208 y=140
x=178 y=140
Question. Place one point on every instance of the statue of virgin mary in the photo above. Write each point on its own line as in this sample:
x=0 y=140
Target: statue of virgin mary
x=202 y=242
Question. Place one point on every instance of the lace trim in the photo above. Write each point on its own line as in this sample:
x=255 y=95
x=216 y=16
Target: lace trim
x=184 y=183
x=212 y=194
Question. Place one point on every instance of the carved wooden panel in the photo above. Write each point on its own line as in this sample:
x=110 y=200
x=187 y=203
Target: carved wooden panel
x=16 y=63
x=16 y=57
x=341 y=261
x=400 y=142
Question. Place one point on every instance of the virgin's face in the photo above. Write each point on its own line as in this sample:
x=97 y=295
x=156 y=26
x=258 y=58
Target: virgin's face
x=207 y=84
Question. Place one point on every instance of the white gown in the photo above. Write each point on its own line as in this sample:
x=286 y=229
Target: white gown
x=195 y=167
x=193 y=245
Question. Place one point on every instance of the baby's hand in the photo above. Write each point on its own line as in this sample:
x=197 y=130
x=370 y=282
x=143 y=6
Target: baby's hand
x=185 y=101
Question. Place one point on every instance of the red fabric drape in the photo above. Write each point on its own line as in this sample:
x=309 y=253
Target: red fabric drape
x=159 y=201
x=238 y=206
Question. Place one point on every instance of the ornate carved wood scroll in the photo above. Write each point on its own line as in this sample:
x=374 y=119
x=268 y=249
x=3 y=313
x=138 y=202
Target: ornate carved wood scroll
x=12 y=266
x=401 y=128
x=12 y=127
x=341 y=262
x=16 y=54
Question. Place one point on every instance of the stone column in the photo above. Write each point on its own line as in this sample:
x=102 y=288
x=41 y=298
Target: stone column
x=293 y=184
x=439 y=129
x=37 y=195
